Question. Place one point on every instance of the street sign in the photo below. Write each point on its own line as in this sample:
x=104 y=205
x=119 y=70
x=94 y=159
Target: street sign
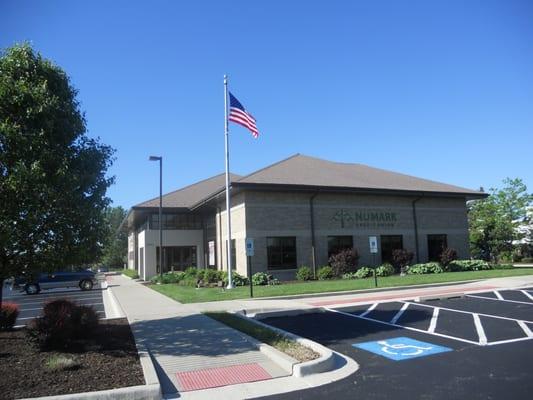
x=373 y=242
x=401 y=348
x=249 y=247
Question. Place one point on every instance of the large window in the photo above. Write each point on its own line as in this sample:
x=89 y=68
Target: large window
x=281 y=252
x=339 y=243
x=176 y=221
x=389 y=243
x=177 y=258
x=436 y=244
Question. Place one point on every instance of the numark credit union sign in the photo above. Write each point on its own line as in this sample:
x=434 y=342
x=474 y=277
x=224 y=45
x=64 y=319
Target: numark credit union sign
x=365 y=218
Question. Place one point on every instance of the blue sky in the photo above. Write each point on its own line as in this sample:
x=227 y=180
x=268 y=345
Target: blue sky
x=437 y=89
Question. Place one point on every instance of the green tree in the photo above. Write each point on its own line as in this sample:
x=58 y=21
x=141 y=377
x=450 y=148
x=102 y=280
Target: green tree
x=494 y=221
x=52 y=175
x=116 y=243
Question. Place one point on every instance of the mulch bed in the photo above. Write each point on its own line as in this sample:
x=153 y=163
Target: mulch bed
x=109 y=361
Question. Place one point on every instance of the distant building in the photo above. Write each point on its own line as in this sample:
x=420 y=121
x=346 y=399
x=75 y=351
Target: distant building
x=299 y=211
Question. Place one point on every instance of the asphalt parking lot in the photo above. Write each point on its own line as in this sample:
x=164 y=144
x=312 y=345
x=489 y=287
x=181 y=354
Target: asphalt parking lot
x=31 y=305
x=476 y=347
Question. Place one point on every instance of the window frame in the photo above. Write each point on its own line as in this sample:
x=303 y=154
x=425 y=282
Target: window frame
x=284 y=250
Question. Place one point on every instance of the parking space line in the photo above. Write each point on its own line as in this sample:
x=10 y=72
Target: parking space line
x=469 y=312
x=490 y=298
x=399 y=313
x=498 y=295
x=21 y=304
x=527 y=294
x=40 y=308
x=369 y=310
x=479 y=329
x=433 y=323
x=525 y=328
x=20 y=319
x=401 y=326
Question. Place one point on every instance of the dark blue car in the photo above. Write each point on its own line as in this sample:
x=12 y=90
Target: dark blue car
x=85 y=280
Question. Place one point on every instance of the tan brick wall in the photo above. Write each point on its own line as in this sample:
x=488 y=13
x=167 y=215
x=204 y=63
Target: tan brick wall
x=287 y=214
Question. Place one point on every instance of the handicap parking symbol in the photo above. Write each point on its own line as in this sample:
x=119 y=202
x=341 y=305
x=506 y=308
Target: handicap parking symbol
x=401 y=348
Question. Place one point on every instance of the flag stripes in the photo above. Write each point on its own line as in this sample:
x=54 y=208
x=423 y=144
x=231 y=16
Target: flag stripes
x=239 y=115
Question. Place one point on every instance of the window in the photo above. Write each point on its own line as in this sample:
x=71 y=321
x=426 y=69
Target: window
x=176 y=221
x=177 y=258
x=436 y=243
x=389 y=243
x=281 y=252
x=339 y=243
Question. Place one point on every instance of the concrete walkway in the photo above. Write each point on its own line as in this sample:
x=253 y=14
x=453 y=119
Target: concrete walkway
x=186 y=345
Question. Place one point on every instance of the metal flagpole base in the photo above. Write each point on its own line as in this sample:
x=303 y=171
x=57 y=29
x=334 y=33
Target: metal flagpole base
x=230 y=286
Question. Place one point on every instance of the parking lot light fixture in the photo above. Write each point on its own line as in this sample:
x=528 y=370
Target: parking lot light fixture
x=160 y=159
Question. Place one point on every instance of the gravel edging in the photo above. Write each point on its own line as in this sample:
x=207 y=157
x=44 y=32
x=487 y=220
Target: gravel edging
x=149 y=391
x=325 y=363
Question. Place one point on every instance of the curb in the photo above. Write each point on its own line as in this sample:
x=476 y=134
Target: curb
x=116 y=310
x=150 y=391
x=325 y=363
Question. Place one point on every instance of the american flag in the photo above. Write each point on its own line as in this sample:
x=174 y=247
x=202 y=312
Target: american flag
x=239 y=115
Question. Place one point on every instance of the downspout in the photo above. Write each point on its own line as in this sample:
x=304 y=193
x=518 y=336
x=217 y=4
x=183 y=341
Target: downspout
x=416 y=228
x=312 y=217
x=217 y=260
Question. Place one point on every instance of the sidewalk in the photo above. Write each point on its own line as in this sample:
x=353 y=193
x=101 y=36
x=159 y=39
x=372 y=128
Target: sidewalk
x=190 y=351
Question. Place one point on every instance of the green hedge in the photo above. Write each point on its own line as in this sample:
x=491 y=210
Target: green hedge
x=427 y=268
x=468 y=265
x=385 y=270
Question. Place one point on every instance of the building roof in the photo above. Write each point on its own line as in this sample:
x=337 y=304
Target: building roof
x=189 y=195
x=304 y=171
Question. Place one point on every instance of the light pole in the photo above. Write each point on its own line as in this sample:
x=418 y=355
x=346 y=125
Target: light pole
x=160 y=159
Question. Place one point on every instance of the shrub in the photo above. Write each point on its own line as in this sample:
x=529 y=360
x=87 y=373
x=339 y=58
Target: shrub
x=62 y=324
x=325 y=273
x=364 y=272
x=447 y=256
x=304 y=273
x=385 y=270
x=401 y=258
x=527 y=260
x=238 y=279
x=211 y=275
x=191 y=272
x=173 y=277
x=8 y=315
x=349 y=275
x=469 y=265
x=427 y=268
x=260 y=279
x=62 y=363
x=344 y=261
x=503 y=266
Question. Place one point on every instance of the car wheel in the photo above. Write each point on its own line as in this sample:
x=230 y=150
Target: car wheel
x=86 y=284
x=32 y=288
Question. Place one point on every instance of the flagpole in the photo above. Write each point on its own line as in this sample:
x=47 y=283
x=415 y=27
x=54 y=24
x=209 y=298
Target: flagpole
x=228 y=208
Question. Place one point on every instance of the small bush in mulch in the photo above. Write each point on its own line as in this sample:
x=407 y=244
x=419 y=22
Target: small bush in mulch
x=63 y=325
x=304 y=273
x=109 y=361
x=8 y=315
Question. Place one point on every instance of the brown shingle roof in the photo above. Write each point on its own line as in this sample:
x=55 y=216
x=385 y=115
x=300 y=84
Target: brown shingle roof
x=301 y=170
x=189 y=195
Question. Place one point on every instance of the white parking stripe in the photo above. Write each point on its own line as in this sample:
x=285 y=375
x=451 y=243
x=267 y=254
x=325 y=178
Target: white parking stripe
x=22 y=304
x=369 y=310
x=525 y=328
x=479 y=329
x=399 y=313
x=433 y=323
x=22 y=309
x=490 y=298
x=529 y=296
x=498 y=295
x=401 y=326
x=20 y=319
x=469 y=312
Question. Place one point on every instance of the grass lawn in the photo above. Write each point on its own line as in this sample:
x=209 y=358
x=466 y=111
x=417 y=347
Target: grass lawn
x=265 y=335
x=130 y=273
x=186 y=294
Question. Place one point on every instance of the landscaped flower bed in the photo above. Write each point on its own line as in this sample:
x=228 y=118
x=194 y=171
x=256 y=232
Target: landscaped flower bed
x=107 y=360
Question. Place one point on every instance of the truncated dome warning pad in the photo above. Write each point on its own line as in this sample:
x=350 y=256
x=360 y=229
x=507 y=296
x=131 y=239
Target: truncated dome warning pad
x=222 y=376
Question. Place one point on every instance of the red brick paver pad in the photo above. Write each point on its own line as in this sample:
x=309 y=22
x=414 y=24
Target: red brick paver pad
x=222 y=376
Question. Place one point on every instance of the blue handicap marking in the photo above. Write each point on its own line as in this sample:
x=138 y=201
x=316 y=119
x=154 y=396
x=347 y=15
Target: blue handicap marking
x=401 y=348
